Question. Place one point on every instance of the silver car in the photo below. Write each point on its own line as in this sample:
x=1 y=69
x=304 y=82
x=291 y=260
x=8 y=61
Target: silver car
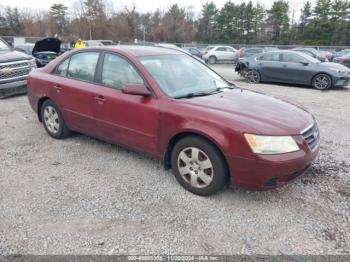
x=294 y=68
x=220 y=54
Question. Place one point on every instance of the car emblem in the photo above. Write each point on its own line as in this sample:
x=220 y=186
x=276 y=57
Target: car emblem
x=7 y=71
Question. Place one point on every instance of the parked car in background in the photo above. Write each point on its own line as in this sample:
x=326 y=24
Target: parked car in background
x=341 y=53
x=106 y=42
x=206 y=50
x=212 y=133
x=344 y=60
x=193 y=51
x=312 y=52
x=46 y=50
x=326 y=54
x=167 y=45
x=251 y=51
x=219 y=54
x=65 y=47
x=25 y=48
x=294 y=68
x=14 y=69
x=89 y=43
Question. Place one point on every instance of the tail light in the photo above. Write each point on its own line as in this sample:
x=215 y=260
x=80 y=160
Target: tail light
x=205 y=53
x=341 y=60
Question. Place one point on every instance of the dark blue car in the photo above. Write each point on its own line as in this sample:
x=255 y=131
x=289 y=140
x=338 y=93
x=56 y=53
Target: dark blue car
x=294 y=68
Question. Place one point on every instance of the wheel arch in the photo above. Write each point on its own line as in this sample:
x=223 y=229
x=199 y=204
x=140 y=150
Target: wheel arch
x=177 y=137
x=40 y=104
x=322 y=73
x=213 y=55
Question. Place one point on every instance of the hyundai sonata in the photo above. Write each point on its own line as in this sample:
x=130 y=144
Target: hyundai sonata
x=170 y=105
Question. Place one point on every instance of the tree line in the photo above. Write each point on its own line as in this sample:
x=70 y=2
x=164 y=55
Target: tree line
x=326 y=22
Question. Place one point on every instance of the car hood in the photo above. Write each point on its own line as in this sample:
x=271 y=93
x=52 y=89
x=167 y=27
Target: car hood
x=48 y=44
x=255 y=112
x=335 y=66
x=12 y=56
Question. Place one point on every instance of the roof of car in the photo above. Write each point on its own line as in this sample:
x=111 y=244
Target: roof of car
x=144 y=50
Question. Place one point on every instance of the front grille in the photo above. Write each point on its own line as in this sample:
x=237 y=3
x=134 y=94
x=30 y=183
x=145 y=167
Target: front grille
x=14 y=70
x=311 y=136
x=15 y=65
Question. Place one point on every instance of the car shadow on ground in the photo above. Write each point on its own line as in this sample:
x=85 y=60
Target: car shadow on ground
x=228 y=192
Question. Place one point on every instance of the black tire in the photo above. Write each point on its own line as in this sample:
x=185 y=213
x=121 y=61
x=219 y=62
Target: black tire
x=218 y=173
x=212 y=60
x=322 y=82
x=252 y=76
x=62 y=131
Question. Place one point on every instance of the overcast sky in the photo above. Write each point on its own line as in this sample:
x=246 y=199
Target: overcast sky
x=142 y=5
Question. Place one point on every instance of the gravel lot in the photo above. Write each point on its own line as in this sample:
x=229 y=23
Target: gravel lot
x=84 y=196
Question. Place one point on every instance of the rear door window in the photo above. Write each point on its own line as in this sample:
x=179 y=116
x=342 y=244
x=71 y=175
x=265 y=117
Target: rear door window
x=62 y=69
x=221 y=49
x=273 y=57
x=82 y=66
x=254 y=51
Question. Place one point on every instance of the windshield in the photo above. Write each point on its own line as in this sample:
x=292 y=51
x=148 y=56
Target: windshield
x=3 y=46
x=180 y=75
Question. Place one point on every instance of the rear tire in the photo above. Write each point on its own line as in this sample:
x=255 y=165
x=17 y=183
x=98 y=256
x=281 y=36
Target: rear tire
x=322 y=82
x=199 y=166
x=212 y=60
x=252 y=76
x=53 y=121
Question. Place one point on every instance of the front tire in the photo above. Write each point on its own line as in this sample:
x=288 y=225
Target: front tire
x=199 y=166
x=53 y=121
x=322 y=82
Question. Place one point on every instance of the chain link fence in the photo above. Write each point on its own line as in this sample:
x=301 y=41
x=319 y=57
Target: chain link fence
x=12 y=40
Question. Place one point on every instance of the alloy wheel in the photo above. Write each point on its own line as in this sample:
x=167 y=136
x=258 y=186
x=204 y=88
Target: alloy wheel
x=195 y=167
x=51 y=119
x=252 y=76
x=321 y=82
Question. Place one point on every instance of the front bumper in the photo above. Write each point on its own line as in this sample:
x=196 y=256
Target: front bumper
x=13 y=88
x=341 y=81
x=270 y=171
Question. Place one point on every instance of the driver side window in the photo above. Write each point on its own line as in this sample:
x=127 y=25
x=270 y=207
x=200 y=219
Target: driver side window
x=118 y=72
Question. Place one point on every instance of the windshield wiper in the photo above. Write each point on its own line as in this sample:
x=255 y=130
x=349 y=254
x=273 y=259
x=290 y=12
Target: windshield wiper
x=201 y=93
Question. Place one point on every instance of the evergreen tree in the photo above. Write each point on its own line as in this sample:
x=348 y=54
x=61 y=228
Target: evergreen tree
x=207 y=25
x=58 y=14
x=278 y=22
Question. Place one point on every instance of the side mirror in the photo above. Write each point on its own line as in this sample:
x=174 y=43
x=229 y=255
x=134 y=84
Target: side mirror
x=136 y=89
x=304 y=62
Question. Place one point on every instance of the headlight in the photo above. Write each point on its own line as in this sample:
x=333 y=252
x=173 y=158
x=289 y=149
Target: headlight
x=32 y=63
x=336 y=70
x=270 y=145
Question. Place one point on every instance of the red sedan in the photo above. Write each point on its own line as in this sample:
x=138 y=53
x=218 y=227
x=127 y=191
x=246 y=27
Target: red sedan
x=170 y=105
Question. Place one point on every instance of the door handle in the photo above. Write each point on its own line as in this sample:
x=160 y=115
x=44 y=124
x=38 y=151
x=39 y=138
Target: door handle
x=58 y=88
x=100 y=98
